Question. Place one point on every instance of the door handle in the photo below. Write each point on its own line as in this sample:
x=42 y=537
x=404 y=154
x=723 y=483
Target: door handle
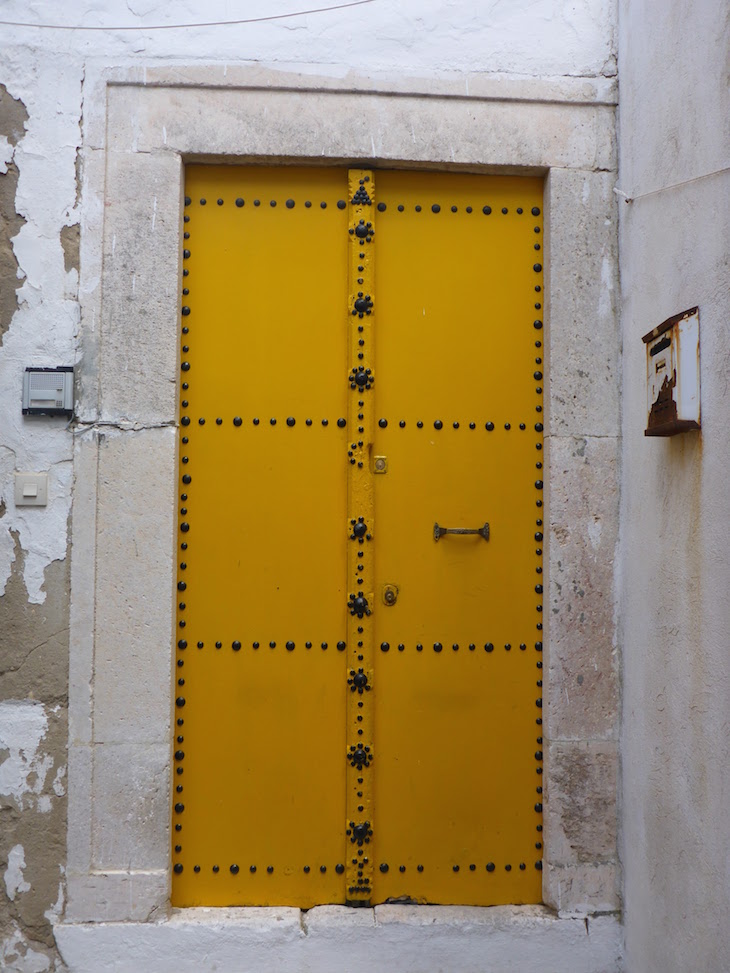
x=440 y=531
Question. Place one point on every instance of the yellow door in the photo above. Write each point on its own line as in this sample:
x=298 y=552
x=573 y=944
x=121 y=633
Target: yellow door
x=358 y=678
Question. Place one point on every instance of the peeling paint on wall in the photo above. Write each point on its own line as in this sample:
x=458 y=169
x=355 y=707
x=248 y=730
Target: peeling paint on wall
x=13 y=116
x=15 y=884
x=39 y=311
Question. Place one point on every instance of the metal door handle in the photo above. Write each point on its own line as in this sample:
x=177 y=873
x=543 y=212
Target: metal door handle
x=440 y=531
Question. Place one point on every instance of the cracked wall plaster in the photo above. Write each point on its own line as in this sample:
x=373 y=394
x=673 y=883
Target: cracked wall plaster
x=44 y=134
x=15 y=884
x=33 y=740
x=13 y=116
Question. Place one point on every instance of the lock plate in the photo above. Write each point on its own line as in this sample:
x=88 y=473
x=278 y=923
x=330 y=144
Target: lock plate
x=390 y=594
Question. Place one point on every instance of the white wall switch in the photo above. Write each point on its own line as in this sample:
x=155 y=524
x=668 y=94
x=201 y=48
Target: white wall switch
x=31 y=489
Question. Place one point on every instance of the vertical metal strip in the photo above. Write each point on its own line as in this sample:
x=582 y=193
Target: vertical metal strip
x=361 y=531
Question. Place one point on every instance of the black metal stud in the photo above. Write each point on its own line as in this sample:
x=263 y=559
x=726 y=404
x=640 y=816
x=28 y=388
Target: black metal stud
x=537 y=268
x=361 y=197
x=177 y=868
x=290 y=646
x=361 y=378
x=359 y=756
x=290 y=204
x=363 y=304
x=359 y=529
x=291 y=421
x=383 y=867
x=360 y=833
x=234 y=869
x=239 y=202
x=358 y=682
x=438 y=424
x=364 y=231
x=358 y=605
x=237 y=421
x=487 y=210
x=535 y=211
x=437 y=646
x=383 y=423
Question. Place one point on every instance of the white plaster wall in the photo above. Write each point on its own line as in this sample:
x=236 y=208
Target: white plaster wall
x=46 y=69
x=675 y=526
x=552 y=50
x=534 y=38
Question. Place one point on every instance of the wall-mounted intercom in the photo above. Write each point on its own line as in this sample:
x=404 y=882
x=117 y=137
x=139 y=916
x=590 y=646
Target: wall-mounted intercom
x=48 y=391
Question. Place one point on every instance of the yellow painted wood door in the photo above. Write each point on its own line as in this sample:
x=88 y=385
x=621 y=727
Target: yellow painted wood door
x=357 y=686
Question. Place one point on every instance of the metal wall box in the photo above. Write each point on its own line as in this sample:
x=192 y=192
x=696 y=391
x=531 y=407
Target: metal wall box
x=673 y=375
x=48 y=391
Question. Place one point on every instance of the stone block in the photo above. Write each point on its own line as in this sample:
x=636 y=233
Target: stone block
x=580 y=802
x=582 y=287
x=141 y=281
x=81 y=613
x=577 y=890
x=79 y=804
x=100 y=897
x=268 y=123
x=581 y=694
x=410 y=939
x=134 y=586
x=131 y=807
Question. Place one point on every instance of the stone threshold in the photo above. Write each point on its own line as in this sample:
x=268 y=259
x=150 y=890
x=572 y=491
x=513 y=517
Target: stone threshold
x=336 y=939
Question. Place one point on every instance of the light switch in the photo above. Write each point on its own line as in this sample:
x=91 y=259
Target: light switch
x=31 y=489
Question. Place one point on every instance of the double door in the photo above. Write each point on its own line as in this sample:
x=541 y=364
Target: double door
x=358 y=667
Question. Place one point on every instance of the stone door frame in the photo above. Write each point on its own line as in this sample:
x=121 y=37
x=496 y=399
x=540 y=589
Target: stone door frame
x=140 y=127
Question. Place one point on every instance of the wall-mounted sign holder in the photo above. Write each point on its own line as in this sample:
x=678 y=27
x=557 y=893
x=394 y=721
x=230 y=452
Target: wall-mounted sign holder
x=673 y=375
